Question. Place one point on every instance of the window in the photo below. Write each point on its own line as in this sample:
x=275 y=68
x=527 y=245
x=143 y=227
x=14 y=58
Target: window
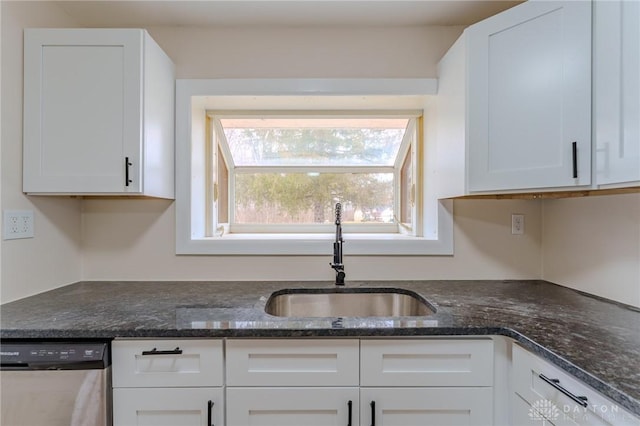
x=284 y=171
x=261 y=163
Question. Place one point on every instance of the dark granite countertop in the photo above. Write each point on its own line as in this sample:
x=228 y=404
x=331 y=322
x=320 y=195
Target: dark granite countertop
x=595 y=340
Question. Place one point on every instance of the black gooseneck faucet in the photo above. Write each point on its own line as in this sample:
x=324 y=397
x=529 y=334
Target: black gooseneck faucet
x=337 y=248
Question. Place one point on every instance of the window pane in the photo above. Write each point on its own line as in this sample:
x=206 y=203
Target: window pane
x=314 y=141
x=223 y=189
x=406 y=190
x=306 y=198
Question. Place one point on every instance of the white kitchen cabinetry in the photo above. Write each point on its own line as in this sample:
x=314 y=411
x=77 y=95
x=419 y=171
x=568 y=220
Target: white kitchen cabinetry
x=426 y=382
x=98 y=113
x=167 y=382
x=616 y=92
x=514 y=106
x=550 y=394
x=382 y=382
x=386 y=382
x=292 y=382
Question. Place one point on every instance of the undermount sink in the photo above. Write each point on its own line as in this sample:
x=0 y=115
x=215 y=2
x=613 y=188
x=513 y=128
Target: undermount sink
x=347 y=302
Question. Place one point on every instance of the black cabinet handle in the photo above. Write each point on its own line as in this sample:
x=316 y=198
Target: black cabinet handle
x=373 y=413
x=127 y=163
x=350 y=407
x=574 y=152
x=209 y=413
x=154 y=351
x=581 y=400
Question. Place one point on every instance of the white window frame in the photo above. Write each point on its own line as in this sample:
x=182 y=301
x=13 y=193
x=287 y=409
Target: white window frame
x=191 y=182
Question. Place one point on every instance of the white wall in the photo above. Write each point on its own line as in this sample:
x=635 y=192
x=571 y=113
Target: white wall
x=135 y=240
x=316 y=52
x=593 y=244
x=52 y=258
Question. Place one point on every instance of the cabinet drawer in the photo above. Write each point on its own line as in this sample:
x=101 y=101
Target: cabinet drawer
x=292 y=362
x=142 y=363
x=555 y=405
x=168 y=406
x=292 y=406
x=426 y=406
x=433 y=362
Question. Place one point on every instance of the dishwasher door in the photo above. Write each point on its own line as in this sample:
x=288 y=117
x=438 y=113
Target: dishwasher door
x=52 y=398
x=53 y=389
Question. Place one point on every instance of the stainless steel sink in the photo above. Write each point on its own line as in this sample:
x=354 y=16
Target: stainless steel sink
x=346 y=302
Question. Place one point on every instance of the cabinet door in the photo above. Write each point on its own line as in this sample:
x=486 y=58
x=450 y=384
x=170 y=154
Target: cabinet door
x=529 y=97
x=616 y=102
x=82 y=110
x=292 y=406
x=556 y=395
x=426 y=406
x=168 y=406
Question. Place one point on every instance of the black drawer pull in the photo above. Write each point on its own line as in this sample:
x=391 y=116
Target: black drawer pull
x=209 y=413
x=154 y=351
x=373 y=413
x=574 y=153
x=350 y=406
x=127 y=164
x=581 y=400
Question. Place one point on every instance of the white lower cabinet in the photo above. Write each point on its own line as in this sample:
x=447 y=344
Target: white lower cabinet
x=168 y=406
x=292 y=406
x=368 y=382
x=280 y=382
x=168 y=382
x=426 y=382
x=556 y=398
x=352 y=382
x=426 y=406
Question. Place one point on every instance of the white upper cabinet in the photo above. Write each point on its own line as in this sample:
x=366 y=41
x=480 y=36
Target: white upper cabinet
x=515 y=102
x=616 y=92
x=529 y=95
x=98 y=113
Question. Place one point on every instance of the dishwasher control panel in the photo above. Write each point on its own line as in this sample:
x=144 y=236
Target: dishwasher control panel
x=54 y=356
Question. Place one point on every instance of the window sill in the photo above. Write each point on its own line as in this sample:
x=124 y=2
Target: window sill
x=316 y=244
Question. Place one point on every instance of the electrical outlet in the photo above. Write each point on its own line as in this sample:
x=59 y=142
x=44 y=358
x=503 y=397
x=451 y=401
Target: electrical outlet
x=517 y=224
x=17 y=224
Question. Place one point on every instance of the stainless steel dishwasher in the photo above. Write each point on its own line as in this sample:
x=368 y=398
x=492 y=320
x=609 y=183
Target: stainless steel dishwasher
x=55 y=383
